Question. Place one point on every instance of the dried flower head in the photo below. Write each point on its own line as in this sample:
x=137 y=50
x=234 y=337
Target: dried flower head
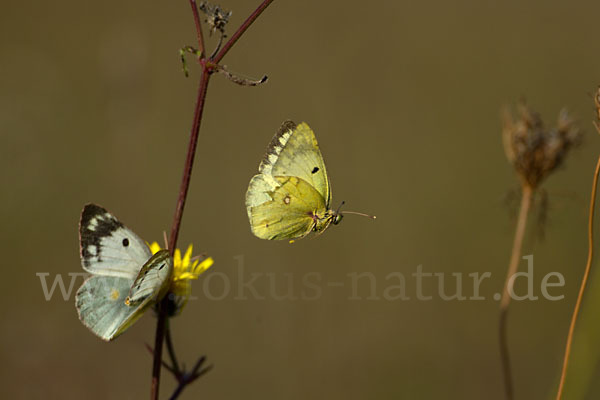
x=534 y=150
x=216 y=17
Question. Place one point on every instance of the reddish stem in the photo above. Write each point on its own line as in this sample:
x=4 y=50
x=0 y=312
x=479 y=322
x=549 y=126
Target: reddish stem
x=189 y=162
x=185 y=184
x=207 y=69
x=234 y=38
x=199 y=35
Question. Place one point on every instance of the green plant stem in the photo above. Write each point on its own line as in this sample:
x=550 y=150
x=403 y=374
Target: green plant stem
x=586 y=274
x=526 y=198
x=207 y=69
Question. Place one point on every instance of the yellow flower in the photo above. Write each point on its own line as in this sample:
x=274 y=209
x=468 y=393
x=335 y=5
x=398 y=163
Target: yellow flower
x=184 y=270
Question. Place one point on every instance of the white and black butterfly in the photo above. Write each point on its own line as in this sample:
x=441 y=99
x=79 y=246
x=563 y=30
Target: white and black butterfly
x=126 y=278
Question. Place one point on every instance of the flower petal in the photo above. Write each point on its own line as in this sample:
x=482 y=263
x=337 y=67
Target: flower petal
x=204 y=265
x=154 y=247
x=177 y=259
x=187 y=256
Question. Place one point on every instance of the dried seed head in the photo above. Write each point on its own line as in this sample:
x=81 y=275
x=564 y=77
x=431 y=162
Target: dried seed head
x=216 y=17
x=534 y=150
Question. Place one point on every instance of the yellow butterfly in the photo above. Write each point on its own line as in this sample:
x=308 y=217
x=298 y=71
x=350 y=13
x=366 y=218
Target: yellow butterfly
x=291 y=195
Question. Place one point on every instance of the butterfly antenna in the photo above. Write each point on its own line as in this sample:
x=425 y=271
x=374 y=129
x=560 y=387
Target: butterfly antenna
x=361 y=214
x=340 y=207
x=353 y=212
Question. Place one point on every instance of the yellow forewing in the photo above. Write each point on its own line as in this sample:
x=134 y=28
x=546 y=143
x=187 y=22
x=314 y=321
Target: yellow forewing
x=294 y=151
x=288 y=214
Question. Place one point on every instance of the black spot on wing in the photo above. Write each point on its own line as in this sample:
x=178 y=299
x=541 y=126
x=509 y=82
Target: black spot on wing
x=125 y=242
x=91 y=234
x=314 y=170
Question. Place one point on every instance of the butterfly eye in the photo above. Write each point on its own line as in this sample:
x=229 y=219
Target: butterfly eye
x=337 y=219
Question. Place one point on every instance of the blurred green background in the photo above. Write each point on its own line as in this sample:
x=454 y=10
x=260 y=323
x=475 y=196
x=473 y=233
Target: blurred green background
x=404 y=98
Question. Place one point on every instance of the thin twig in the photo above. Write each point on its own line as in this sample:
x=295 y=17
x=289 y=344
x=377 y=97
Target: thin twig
x=216 y=50
x=199 y=34
x=158 y=342
x=508 y=287
x=234 y=38
x=187 y=172
x=171 y=350
x=586 y=273
x=164 y=364
x=238 y=79
x=189 y=162
x=191 y=377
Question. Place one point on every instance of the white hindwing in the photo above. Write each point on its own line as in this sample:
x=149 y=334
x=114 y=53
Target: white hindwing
x=100 y=304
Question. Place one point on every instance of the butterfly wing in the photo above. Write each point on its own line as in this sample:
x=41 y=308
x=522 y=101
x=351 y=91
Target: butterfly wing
x=153 y=279
x=259 y=191
x=107 y=247
x=100 y=304
x=288 y=213
x=115 y=255
x=294 y=151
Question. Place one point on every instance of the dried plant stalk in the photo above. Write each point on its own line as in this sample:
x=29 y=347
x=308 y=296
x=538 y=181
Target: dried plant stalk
x=588 y=264
x=535 y=152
